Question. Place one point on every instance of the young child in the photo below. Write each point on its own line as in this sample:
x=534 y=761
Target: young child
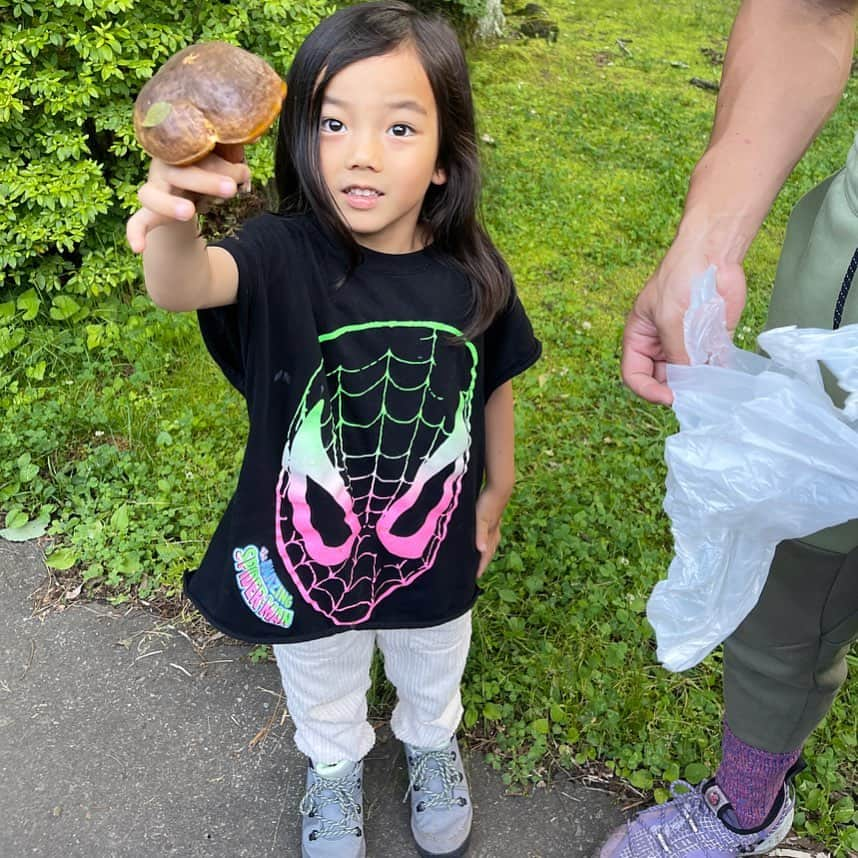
x=373 y=329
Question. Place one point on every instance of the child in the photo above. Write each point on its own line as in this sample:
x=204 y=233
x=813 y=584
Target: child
x=373 y=329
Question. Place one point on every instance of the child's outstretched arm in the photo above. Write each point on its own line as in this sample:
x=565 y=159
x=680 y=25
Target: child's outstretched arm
x=500 y=472
x=181 y=273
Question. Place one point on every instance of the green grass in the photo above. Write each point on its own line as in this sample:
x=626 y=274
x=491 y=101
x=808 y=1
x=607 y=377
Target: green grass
x=593 y=146
x=130 y=442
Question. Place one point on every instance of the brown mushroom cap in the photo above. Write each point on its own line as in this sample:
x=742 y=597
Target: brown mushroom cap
x=206 y=94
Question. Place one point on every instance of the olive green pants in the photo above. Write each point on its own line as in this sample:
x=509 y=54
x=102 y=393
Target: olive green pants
x=784 y=665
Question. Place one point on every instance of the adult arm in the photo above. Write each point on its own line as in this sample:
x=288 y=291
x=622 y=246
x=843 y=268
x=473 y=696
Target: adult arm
x=500 y=472
x=786 y=65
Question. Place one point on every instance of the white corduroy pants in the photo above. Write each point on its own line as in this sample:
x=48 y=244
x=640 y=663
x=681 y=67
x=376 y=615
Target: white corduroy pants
x=326 y=682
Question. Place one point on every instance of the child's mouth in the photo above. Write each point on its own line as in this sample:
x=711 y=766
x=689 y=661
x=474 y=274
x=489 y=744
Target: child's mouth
x=362 y=198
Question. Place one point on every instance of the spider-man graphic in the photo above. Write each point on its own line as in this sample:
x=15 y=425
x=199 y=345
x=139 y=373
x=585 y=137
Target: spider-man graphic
x=372 y=467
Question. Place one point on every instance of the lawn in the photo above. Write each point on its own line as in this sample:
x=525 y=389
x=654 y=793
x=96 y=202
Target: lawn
x=592 y=139
x=129 y=444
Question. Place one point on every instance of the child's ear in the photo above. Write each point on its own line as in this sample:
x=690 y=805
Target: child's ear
x=439 y=177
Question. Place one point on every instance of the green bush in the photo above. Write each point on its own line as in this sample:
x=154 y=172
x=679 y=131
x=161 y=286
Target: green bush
x=465 y=15
x=69 y=165
x=79 y=345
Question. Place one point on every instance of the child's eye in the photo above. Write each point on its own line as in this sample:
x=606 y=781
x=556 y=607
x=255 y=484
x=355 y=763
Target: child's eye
x=332 y=125
x=400 y=129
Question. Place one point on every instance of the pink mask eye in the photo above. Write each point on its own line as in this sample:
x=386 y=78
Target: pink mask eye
x=451 y=452
x=307 y=458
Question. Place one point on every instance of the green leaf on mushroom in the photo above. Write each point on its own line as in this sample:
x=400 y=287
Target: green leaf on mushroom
x=157 y=113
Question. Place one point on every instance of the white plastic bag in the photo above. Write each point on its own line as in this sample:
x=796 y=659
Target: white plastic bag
x=762 y=455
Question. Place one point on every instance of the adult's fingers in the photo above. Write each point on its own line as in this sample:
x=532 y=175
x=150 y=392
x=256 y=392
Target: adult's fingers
x=649 y=387
x=644 y=361
x=732 y=288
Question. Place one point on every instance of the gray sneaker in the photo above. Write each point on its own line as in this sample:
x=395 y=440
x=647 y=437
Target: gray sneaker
x=333 y=815
x=441 y=811
x=699 y=823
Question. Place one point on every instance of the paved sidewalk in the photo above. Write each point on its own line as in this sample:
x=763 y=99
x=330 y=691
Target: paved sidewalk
x=118 y=740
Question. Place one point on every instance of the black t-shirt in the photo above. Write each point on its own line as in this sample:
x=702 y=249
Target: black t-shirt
x=355 y=502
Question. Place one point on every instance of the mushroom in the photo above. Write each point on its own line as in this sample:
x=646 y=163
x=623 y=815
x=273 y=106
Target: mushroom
x=206 y=94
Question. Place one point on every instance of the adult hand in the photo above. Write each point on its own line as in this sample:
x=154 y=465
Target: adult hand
x=177 y=194
x=785 y=68
x=653 y=335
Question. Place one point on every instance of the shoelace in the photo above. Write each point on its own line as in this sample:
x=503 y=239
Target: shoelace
x=339 y=792
x=436 y=765
x=640 y=833
x=690 y=803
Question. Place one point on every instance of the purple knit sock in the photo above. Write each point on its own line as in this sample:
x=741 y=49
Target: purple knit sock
x=751 y=778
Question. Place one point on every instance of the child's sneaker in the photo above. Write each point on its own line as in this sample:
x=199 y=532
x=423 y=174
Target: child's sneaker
x=700 y=823
x=332 y=808
x=441 y=811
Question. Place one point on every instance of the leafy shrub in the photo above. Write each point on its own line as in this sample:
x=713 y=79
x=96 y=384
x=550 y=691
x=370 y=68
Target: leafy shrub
x=69 y=166
x=471 y=18
x=79 y=347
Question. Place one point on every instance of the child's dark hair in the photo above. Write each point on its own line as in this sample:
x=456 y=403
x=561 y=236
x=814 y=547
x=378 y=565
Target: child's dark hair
x=450 y=210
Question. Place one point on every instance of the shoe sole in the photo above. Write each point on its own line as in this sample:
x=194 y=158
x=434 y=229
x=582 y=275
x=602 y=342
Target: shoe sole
x=361 y=854
x=456 y=853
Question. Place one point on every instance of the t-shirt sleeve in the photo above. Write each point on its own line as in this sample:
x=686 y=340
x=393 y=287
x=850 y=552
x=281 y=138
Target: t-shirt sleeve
x=226 y=330
x=510 y=346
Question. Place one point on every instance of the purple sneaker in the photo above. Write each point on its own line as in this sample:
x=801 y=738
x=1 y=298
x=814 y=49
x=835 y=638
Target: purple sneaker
x=699 y=823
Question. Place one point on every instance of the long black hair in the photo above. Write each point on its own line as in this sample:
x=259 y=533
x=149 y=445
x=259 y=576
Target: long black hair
x=449 y=211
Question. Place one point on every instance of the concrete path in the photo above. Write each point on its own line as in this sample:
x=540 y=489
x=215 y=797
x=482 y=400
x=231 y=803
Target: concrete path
x=118 y=739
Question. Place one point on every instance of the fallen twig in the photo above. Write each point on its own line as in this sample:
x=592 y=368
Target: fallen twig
x=266 y=729
x=147 y=654
x=711 y=85
x=29 y=660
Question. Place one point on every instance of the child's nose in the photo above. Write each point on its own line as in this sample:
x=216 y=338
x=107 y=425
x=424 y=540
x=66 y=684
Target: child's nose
x=365 y=152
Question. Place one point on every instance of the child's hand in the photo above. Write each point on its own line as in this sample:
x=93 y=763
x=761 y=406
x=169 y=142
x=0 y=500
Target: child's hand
x=176 y=194
x=490 y=507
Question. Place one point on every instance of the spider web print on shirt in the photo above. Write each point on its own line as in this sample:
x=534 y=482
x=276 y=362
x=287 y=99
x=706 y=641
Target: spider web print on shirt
x=373 y=464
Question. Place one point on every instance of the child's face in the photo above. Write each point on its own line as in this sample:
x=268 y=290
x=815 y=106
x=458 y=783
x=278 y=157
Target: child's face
x=378 y=148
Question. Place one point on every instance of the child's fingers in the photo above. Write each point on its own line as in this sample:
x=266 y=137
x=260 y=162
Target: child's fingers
x=136 y=229
x=213 y=176
x=482 y=534
x=487 y=538
x=140 y=224
x=221 y=165
x=484 y=562
x=204 y=180
x=178 y=193
x=161 y=201
x=487 y=554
